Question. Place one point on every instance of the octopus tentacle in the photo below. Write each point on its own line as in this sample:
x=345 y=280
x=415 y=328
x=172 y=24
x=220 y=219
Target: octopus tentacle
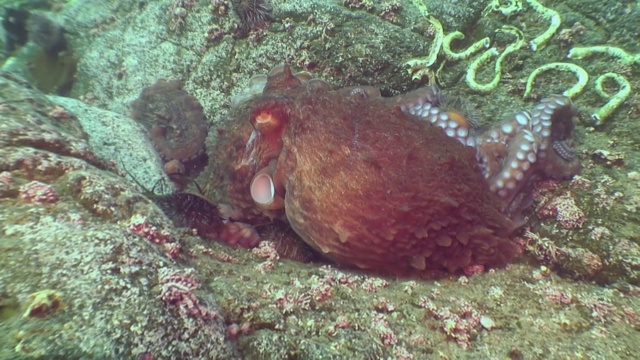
x=239 y=234
x=511 y=152
x=319 y=159
x=318 y=84
x=427 y=105
x=493 y=146
x=533 y=142
x=521 y=153
x=555 y=115
x=564 y=149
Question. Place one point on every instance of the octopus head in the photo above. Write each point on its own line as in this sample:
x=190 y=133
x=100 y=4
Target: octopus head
x=269 y=118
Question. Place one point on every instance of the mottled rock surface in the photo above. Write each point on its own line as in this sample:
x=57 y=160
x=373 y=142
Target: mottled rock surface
x=99 y=286
x=79 y=276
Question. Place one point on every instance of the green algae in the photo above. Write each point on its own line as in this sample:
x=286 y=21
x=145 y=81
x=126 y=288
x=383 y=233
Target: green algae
x=9 y=307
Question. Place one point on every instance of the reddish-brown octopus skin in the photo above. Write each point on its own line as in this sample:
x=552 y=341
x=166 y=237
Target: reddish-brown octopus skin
x=368 y=185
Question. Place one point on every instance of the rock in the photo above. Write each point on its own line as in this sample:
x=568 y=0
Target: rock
x=118 y=139
x=77 y=278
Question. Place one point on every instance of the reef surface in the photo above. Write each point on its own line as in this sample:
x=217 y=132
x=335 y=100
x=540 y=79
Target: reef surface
x=91 y=267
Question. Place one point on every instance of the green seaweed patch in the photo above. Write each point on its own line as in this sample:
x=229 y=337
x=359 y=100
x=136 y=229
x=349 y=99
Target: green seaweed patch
x=53 y=73
x=9 y=307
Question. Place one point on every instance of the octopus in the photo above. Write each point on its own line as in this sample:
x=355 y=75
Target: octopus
x=404 y=184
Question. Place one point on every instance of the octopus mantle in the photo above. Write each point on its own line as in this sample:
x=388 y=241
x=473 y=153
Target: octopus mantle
x=398 y=184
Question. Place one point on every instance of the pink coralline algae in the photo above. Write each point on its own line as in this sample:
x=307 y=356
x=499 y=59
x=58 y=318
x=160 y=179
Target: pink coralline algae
x=6 y=179
x=561 y=205
x=556 y=295
x=140 y=226
x=383 y=328
x=177 y=291
x=601 y=310
x=565 y=210
x=38 y=193
x=461 y=323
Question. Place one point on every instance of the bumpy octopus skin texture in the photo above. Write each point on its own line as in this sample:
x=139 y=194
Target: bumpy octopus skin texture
x=377 y=188
x=402 y=185
x=525 y=147
x=175 y=120
x=358 y=179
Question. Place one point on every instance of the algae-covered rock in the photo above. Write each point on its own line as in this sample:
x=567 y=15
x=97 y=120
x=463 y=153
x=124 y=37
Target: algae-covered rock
x=79 y=272
x=90 y=267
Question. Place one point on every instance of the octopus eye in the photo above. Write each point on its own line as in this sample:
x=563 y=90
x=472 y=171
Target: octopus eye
x=263 y=190
x=268 y=121
x=265 y=117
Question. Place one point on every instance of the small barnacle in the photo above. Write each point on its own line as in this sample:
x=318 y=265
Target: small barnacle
x=43 y=303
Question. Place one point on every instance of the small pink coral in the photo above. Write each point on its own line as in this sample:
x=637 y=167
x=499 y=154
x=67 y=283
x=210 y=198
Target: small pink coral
x=266 y=266
x=172 y=249
x=289 y=302
x=565 y=210
x=474 y=269
x=177 y=291
x=6 y=179
x=140 y=226
x=380 y=324
x=321 y=292
x=460 y=323
x=38 y=193
x=266 y=250
x=333 y=276
x=373 y=284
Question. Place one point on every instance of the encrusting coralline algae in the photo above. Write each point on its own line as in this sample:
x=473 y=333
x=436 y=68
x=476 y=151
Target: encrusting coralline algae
x=91 y=267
